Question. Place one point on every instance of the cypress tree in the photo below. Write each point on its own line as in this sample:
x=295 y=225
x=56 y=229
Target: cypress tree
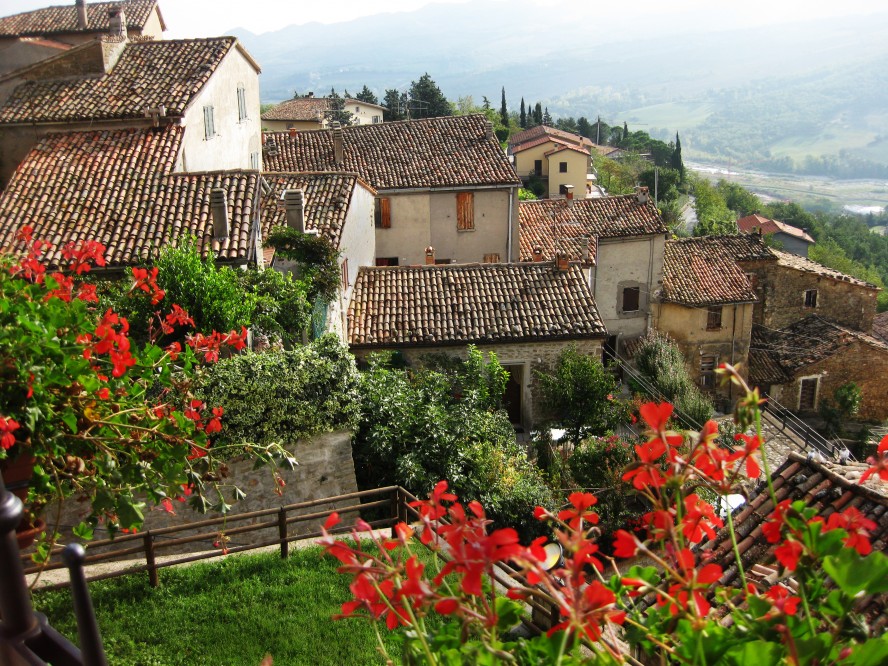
x=676 y=161
x=538 y=114
x=547 y=119
x=625 y=132
x=523 y=116
x=504 y=111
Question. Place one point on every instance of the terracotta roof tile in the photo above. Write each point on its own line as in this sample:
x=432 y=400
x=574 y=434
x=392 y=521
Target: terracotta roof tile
x=430 y=153
x=541 y=222
x=471 y=303
x=704 y=271
x=116 y=187
x=307 y=108
x=549 y=133
x=63 y=19
x=880 y=326
x=765 y=369
x=808 y=341
x=147 y=74
x=755 y=221
x=327 y=198
x=819 y=486
x=790 y=260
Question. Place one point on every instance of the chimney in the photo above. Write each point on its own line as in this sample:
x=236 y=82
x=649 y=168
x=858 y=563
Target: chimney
x=117 y=22
x=310 y=95
x=292 y=132
x=562 y=263
x=587 y=252
x=336 y=128
x=430 y=256
x=537 y=253
x=642 y=195
x=294 y=201
x=219 y=209
x=569 y=195
x=488 y=131
x=82 y=21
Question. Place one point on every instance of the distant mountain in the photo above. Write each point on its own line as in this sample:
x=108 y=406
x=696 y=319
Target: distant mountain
x=689 y=73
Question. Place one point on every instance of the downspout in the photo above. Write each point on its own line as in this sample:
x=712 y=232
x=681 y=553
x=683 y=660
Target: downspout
x=650 y=289
x=511 y=222
x=733 y=342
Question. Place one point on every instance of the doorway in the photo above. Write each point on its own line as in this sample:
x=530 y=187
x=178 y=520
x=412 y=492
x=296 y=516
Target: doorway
x=514 y=393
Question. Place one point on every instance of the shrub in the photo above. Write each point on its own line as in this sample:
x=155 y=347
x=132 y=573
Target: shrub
x=282 y=309
x=283 y=396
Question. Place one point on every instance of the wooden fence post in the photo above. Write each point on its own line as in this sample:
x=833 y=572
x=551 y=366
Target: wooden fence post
x=149 y=559
x=282 y=532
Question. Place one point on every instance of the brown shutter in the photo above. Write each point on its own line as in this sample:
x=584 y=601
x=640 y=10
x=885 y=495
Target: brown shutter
x=383 y=213
x=465 y=211
x=491 y=258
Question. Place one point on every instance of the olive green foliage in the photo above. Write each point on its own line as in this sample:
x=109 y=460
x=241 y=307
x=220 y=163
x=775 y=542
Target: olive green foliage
x=419 y=426
x=661 y=362
x=281 y=306
x=283 y=396
x=482 y=383
x=714 y=218
x=597 y=465
x=577 y=395
x=526 y=195
x=844 y=405
x=317 y=258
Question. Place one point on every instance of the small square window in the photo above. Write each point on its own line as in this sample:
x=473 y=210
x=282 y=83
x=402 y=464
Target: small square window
x=562 y=167
x=631 y=299
x=707 y=371
x=811 y=298
x=714 y=317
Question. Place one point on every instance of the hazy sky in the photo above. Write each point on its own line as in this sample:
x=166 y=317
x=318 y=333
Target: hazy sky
x=196 y=18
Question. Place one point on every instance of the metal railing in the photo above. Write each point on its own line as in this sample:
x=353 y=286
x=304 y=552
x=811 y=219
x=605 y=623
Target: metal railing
x=812 y=440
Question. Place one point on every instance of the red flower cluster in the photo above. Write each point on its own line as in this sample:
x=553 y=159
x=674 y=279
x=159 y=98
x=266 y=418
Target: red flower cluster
x=879 y=462
x=146 y=281
x=7 y=427
x=110 y=337
x=211 y=345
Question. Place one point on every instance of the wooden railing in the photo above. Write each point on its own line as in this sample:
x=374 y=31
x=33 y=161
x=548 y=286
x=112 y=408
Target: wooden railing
x=278 y=523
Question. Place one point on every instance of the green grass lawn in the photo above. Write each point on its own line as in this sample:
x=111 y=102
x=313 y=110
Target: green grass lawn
x=229 y=612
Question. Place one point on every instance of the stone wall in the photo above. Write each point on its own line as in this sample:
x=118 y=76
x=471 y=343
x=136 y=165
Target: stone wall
x=326 y=469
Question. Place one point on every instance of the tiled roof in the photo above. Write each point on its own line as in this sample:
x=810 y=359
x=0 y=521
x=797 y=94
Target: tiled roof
x=327 y=198
x=549 y=133
x=790 y=260
x=307 y=108
x=765 y=369
x=808 y=341
x=755 y=221
x=115 y=187
x=880 y=326
x=147 y=74
x=63 y=19
x=565 y=146
x=704 y=271
x=541 y=222
x=430 y=153
x=471 y=303
x=818 y=486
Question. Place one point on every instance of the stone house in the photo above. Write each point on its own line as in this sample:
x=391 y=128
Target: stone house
x=209 y=87
x=619 y=243
x=310 y=112
x=792 y=239
x=339 y=207
x=120 y=187
x=526 y=313
x=790 y=288
x=30 y=37
x=557 y=158
x=443 y=184
x=805 y=362
x=705 y=305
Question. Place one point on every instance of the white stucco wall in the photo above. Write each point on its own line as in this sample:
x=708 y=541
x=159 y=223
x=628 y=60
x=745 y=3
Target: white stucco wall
x=363 y=113
x=234 y=141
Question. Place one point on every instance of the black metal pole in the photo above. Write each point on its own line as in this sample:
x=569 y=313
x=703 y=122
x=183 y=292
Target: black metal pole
x=87 y=628
x=15 y=603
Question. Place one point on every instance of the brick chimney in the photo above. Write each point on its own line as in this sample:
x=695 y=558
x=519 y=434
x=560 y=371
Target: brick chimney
x=338 y=157
x=294 y=201
x=219 y=210
x=569 y=194
x=642 y=195
x=292 y=132
x=537 y=253
x=562 y=263
x=82 y=21
x=430 y=256
x=117 y=22
x=488 y=131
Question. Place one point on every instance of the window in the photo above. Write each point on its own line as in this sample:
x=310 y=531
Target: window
x=344 y=268
x=753 y=280
x=254 y=161
x=808 y=394
x=492 y=258
x=631 y=299
x=465 y=211
x=209 y=123
x=383 y=213
x=708 y=364
x=441 y=262
x=241 y=104
x=714 y=317
x=562 y=167
x=386 y=261
x=376 y=119
x=538 y=167
x=357 y=109
x=811 y=298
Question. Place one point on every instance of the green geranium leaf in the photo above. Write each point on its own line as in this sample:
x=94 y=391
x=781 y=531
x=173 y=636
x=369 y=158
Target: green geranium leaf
x=83 y=531
x=872 y=653
x=508 y=613
x=70 y=419
x=758 y=652
x=854 y=574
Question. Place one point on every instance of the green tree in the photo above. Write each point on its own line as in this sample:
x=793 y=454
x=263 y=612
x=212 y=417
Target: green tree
x=677 y=162
x=366 y=95
x=714 y=218
x=337 y=111
x=427 y=100
x=546 y=119
x=585 y=128
x=738 y=198
x=578 y=393
x=504 y=110
x=523 y=116
x=625 y=130
x=395 y=104
x=538 y=113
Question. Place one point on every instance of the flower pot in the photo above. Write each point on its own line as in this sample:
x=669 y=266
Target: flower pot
x=17 y=474
x=29 y=534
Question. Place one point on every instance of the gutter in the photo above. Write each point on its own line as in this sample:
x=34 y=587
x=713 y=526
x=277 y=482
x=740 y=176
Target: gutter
x=454 y=188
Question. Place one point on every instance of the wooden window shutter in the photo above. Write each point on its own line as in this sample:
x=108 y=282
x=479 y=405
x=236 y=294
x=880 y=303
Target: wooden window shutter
x=491 y=258
x=465 y=211
x=383 y=213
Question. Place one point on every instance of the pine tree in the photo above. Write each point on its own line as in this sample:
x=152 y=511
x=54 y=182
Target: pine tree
x=504 y=110
x=585 y=128
x=676 y=161
x=395 y=104
x=523 y=116
x=538 y=114
x=547 y=119
x=366 y=95
x=336 y=112
x=427 y=100
x=485 y=103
